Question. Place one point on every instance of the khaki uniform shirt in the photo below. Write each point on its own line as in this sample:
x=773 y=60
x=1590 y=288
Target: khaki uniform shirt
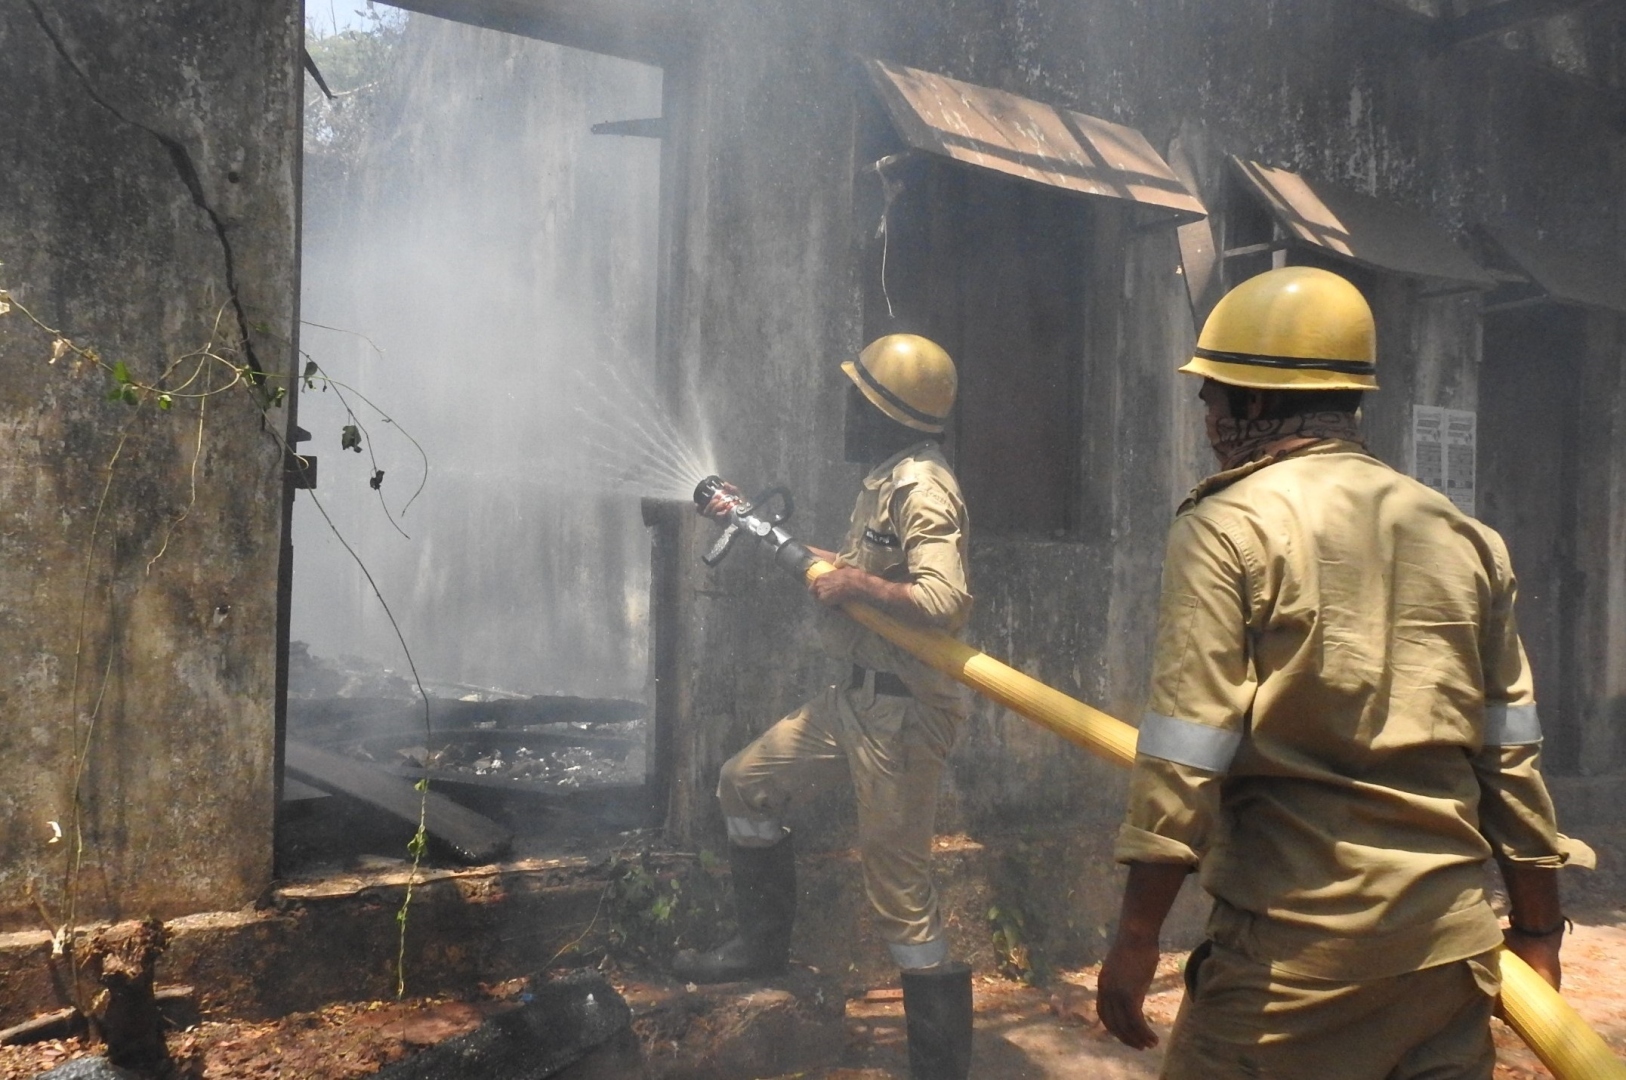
x=1341 y=727
x=909 y=524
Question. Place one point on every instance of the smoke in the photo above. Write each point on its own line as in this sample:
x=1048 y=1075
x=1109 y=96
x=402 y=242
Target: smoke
x=482 y=267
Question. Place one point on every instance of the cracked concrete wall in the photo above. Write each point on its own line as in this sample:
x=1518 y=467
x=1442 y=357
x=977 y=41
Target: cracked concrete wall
x=763 y=297
x=152 y=156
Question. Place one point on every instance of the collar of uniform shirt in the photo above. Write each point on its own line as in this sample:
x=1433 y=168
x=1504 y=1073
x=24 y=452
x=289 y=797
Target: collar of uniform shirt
x=1221 y=480
x=877 y=476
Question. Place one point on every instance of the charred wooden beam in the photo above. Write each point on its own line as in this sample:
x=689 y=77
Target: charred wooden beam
x=473 y=836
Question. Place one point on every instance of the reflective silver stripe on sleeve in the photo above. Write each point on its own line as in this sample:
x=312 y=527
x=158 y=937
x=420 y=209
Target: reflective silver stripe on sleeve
x=926 y=954
x=1511 y=725
x=1186 y=742
x=753 y=833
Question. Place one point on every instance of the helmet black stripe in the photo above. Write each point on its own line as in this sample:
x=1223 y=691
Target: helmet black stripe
x=1296 y=363
x=893 y=399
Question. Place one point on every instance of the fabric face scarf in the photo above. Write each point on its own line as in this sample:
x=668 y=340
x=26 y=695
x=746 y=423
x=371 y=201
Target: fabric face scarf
x=1242 y=440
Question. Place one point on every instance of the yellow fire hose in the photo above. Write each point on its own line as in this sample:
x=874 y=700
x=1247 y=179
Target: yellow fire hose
x=1544 y=1020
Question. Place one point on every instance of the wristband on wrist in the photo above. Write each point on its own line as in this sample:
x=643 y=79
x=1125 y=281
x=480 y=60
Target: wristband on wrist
x=1559 y=927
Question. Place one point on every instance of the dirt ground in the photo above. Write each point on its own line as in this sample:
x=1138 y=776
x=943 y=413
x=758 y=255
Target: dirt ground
x=1022 y=1032
x=336 y=1043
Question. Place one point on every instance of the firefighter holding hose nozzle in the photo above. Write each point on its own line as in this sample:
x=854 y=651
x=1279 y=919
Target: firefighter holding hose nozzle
x=1342 y=730
x=889 y=724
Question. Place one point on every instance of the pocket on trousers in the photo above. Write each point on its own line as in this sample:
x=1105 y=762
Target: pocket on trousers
x=1194 y=966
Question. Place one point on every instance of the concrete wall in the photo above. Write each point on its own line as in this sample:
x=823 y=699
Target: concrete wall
x=1599 y=552
x=762 y=299
x=151 y=175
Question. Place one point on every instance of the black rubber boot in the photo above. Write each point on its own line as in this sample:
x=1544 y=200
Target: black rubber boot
x=937 y=1014
x=765 y=907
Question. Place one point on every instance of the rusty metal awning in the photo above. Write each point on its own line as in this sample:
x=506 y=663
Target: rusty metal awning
x=1365 y=230
x=1019 y=137
x=1567 y=275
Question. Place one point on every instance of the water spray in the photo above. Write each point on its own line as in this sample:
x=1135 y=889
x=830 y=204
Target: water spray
x=1547 y=1023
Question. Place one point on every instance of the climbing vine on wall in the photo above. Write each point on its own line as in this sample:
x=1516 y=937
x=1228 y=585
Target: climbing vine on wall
x=188 y=384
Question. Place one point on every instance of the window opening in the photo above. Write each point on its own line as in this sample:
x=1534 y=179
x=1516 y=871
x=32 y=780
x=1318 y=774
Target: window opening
x=978 y=208
x=994 y=271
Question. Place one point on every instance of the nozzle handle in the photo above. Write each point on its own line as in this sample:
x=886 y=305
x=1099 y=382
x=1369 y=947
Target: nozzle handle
x=786 y=502
x=719 y=550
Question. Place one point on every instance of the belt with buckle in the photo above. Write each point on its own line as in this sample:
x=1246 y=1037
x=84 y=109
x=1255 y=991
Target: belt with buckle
x=885 y=682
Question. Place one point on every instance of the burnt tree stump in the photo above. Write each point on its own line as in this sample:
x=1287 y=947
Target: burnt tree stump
x=124 y=1011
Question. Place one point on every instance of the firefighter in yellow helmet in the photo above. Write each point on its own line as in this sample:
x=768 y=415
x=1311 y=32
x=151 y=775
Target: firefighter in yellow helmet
x=890 y=723
x=1341 y=731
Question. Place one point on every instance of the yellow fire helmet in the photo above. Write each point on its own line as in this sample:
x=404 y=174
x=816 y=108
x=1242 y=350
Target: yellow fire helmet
x=908 y=377
x=1295 y=328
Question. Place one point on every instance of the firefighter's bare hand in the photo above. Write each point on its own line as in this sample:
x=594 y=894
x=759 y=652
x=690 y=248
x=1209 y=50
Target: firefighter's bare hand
x=840 y=585
x=721 y=502
x=1120 y=991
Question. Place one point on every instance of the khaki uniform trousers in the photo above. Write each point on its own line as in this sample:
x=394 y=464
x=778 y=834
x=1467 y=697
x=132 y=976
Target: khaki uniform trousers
x=1242 y=1021
x=894 y=749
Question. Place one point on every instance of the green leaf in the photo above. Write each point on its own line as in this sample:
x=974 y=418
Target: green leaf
x=121 y=373
x=421 y=785
x=128 y=393
x=310 y=375
x=165 y=402
x=350 y=438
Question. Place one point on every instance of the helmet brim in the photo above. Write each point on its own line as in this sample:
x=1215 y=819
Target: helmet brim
x=850 y=369
x=1250 y=377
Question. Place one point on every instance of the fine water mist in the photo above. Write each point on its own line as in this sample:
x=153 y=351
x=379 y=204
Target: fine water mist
x=482 y=268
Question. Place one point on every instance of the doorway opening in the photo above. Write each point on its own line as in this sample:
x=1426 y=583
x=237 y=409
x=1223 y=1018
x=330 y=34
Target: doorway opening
x=478 y=276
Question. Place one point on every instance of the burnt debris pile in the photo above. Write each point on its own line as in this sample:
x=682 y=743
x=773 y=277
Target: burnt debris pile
x=547 y=772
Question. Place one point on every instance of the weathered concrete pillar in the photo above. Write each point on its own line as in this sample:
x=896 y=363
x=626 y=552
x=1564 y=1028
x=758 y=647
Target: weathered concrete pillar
x=152 y=162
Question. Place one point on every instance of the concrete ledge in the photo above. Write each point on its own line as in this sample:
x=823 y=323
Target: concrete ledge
x=337 y=939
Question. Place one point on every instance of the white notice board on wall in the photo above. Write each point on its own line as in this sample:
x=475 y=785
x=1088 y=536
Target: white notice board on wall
x=1443 y=452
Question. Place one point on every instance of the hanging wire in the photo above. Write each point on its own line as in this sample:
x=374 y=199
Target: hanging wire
x=890 y=190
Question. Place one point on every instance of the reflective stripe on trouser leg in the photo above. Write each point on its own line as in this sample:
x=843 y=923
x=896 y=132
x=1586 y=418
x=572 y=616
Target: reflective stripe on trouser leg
x=1187 y=742
x=753 y=833
x=1512 y=725
x=795 y=758
x=926 y=954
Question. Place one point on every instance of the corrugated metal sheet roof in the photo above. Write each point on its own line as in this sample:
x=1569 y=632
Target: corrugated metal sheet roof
x=1366 y=230
x=1020 y=137
x=1566 y=274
